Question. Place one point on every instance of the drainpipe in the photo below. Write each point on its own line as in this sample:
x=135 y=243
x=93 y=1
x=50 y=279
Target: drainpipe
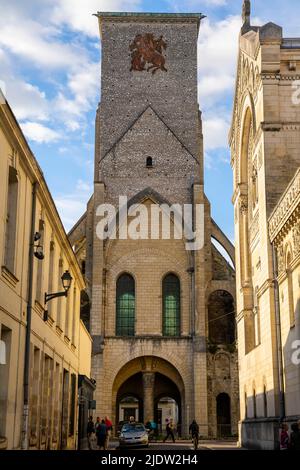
x=25 y=437
x=278 y=336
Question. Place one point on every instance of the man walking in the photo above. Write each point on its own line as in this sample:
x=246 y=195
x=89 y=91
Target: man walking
x=170 y=430
x=90 y=431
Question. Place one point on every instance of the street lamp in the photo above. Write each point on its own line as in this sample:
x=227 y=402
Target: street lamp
x=38 y=249
x=66 y=280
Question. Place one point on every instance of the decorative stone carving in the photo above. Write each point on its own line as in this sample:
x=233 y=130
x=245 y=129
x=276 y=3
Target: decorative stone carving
x=147 y=53
x=285 y=208
x=246 y=13
x=296 y=239
x=243 y=204
x=280 y=258
x=254 y=228
x=254 y=186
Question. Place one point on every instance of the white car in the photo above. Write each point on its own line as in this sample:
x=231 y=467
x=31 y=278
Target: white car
x=133 y=435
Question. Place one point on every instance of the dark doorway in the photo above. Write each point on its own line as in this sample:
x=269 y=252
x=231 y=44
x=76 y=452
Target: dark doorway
x=130 y=399
x=223 y=415
x=167 y=401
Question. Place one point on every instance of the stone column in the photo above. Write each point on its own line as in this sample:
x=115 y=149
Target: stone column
x=148 y=394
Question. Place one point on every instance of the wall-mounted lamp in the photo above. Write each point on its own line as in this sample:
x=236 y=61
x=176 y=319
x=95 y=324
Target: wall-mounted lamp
x=38 y=249
x=66 y=280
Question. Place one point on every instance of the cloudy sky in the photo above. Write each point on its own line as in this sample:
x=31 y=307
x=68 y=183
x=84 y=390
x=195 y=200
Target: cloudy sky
x=50 y=70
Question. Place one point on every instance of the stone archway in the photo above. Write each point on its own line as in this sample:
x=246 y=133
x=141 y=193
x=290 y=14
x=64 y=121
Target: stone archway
x=148 y=379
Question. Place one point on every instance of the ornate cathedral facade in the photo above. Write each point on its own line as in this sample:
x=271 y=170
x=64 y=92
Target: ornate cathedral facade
x=265 y=142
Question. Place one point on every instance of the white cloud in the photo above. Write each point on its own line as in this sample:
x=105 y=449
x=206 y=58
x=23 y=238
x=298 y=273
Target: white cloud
x=84 y=186
x=215 y=131
x=78 y=16
x=72 y=206
x=38 y=43
x=39 y=133
x=217 y=56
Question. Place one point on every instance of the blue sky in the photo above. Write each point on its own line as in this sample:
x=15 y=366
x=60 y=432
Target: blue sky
x=50 y=70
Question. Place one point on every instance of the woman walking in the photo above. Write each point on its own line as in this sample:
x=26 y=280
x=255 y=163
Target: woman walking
x=101 y=434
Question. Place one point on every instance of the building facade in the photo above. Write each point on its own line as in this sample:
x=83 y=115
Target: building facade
x=162 y=317
x=265 y=140
x=60 y=346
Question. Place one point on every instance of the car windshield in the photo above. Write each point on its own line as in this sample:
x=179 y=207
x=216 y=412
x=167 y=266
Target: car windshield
x=133 y=427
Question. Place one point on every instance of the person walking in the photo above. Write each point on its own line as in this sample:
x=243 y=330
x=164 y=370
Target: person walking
x=170 y=430
x=108 y=425
x=101 y=434
x=90 y=430
x=194 y=431
x=284 y=437
x=295 y=437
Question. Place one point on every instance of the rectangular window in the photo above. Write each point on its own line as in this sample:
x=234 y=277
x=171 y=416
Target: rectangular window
x=72 y=405
x=35 y=396
x=11 y=220
x=60 y=299
x=40 y=265
x=256 y=319
x=65 y=410
x=5 y=345
x=50 y=277
x=74 y=317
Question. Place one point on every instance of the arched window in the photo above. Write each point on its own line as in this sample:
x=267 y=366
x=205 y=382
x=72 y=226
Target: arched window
x=149 y=162
x=125 y=305
x=221 y=317
x=171 y=305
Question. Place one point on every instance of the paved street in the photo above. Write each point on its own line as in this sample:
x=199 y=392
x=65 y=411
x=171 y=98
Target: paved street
x=186 y=445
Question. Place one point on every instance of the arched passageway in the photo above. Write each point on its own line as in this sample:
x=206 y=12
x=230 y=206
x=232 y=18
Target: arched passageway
x=154 y=394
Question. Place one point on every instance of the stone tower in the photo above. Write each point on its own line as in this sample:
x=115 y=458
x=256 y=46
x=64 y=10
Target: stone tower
x=155 y=354
x=265 y=140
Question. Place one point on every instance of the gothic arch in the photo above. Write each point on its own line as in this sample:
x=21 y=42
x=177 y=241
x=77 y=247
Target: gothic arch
x=248 y=129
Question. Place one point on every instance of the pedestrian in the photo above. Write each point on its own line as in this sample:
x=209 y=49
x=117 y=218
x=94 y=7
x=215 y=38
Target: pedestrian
x=90 y=430
x=101 y=434
x=108 y=425
x=284 y=437
x=295 y=437
x=170 y=430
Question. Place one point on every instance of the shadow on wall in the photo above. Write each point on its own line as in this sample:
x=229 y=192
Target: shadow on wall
x=260 y=430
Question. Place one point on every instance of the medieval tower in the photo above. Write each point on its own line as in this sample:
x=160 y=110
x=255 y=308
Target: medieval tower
x=162 y=318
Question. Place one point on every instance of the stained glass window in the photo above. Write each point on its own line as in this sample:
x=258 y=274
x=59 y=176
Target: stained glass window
x=125 y=306
x=171 y=305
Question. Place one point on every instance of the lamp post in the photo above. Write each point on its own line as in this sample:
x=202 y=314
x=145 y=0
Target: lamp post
x=66 y=280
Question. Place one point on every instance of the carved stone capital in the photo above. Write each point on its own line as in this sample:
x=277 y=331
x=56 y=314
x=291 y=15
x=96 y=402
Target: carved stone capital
x=243 y=204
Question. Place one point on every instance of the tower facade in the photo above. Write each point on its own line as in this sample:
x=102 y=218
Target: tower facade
x=162 y=316
x=264 y=139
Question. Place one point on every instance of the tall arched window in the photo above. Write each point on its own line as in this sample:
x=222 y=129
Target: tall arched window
x=171 y=305
x=125 y=305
